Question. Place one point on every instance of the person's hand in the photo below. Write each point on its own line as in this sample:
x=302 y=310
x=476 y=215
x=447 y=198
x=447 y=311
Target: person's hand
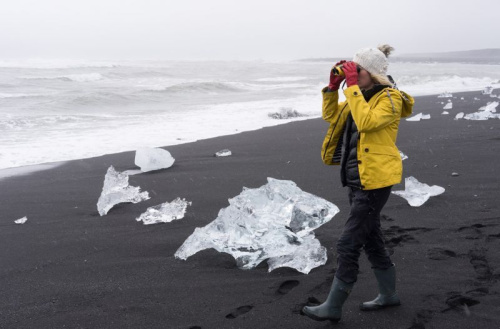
x=335 y=80
x=351 y=73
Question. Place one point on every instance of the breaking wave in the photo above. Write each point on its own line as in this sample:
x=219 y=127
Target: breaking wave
x=84 y=77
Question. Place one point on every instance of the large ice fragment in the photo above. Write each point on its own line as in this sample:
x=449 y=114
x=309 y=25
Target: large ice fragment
x=21 y=220
x=149 y=159
x=419 y=117
x=417 y=193
x=273 y=222
x=165 y=212
x=285 y=113
x=116 y=190
x=484 y=113
x=445 y=95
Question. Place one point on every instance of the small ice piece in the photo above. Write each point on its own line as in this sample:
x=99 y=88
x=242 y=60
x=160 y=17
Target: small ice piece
x=445 y=95
x=462 y=98
x=285 y=113
x=426 y=116
x=476 y=99
x=116 y=190
x=454 y=174
x=445 y=112
x=165 y=212
x=417 y=193
x=493 y=96
x=149 y=159
x=21 y=220
x=487 y=90
x=459 y=115
x=273 y=222
x=448 y=105
x=416 y=117
x=223 y=153
x=403 y=156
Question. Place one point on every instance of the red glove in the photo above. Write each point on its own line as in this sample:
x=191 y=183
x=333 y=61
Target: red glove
x=336 y=80
x=351 y=73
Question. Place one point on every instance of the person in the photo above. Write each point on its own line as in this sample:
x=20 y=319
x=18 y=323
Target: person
x=362 y=140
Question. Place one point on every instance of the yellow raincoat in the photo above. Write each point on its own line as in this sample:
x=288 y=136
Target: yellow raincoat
x=377 y=120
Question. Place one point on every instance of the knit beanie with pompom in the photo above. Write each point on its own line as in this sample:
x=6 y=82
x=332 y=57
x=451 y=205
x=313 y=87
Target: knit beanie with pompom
x=374 y=60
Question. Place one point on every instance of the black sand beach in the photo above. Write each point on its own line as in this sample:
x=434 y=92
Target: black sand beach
x=67 y=267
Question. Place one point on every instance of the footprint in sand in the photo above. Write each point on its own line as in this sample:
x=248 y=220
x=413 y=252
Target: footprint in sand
x=395 y=236
x=286 y=287
x=440 y=254
x=480 y=263
x=458 y=301
x=239 y=311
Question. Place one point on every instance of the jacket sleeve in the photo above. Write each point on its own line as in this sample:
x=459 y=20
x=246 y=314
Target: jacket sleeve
x=367 y=119
x=330 y=104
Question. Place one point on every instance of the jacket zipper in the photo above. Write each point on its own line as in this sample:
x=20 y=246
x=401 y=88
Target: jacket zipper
x=333 y=130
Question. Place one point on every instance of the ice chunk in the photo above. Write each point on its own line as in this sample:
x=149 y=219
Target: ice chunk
x=223 y=153
x=445 y=95
x=448 y=105
x=462 y=98
x=459 y=115
x=476 y=99
x=116 y=190
x=149 y=159
x=285 y=113
x=417 y=193
x=445 y=112
x=419 y=117
x=165 y=212
x=403 y=156
x=273 y=222
x=21 y=220
x=484 y=113
x=487 y=90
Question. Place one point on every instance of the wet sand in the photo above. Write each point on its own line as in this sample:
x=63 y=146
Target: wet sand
x=69 y=267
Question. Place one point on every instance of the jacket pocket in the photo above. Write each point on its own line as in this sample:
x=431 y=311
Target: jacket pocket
x=379 y=163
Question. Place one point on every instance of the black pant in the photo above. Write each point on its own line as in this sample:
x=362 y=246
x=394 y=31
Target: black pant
x=362 y=230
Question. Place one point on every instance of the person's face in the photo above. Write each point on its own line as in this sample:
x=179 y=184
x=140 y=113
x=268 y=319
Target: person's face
x=364 y=79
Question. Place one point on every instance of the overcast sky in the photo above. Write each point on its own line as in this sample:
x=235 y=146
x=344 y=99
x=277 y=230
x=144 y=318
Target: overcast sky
x=231 y=29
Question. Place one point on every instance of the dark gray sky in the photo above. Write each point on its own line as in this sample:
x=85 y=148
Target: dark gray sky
x=229 y=29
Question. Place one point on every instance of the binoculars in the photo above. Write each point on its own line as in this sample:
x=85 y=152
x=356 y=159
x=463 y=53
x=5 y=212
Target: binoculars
x=337 y=70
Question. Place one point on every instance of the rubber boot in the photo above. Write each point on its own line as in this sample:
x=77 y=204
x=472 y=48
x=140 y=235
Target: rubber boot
x=387 y=290
x=331 y=309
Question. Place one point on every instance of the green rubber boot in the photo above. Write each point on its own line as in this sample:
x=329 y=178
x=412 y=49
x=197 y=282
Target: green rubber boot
x=331 y=309
x=387 y=290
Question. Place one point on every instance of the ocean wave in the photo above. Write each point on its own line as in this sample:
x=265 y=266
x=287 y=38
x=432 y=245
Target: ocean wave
x=59 y=121
x=21 y=95
x=282 y=79
x=429 y=85
x=100 y=98
x=54 y=64
x=83 y=77
x=189 y=87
